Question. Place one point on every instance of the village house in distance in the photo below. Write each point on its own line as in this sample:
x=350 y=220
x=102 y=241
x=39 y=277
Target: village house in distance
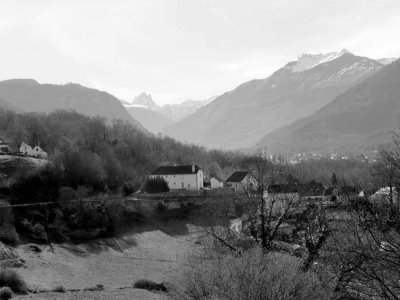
x=189 y=177
x=241 y=182
x=37 y=152
x=216 y=183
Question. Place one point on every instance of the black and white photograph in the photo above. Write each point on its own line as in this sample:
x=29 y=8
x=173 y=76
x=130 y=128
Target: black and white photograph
x=200 y=149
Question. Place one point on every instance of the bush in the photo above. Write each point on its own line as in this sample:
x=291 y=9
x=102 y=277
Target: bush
x=5 y=293
x=129 y=188
x=8 y=235
x=13 y=280
x=254 y=275
x=97 y=287
x=150 y=285
x=161 y=207
x=59 y=289
x=66 y=193
x=156 y=185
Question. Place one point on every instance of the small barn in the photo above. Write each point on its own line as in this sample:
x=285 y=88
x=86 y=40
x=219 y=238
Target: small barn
x=241 y=182
x=216 y=182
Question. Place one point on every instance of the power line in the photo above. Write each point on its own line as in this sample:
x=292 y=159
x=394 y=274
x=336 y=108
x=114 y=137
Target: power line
x=47 y=203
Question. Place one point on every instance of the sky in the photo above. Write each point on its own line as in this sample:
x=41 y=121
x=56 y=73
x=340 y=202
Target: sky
x=183 y=49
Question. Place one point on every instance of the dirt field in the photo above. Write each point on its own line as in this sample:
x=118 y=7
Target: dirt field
x=160 y=256
x=117 y=294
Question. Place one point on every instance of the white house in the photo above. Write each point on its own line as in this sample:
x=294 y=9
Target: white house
x=241 y=182
x=386 y=195
x=35 y=152
x=189 y=177
x=216 y=183
x=39 y=153
x=26 y=149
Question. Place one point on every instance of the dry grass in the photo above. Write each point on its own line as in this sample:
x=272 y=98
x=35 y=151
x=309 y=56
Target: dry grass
x=112 y=262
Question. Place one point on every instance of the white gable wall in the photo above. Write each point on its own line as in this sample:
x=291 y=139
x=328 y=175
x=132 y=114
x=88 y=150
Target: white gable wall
x=183 y=181
x=216 y=184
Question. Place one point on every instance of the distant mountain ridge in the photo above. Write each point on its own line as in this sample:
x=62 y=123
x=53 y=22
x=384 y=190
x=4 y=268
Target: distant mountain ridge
x=180 y=111
x=144 y=100
x=360 y=119
x=241 y=117
x=30 y=96
x=308 y=61
x=155 y=117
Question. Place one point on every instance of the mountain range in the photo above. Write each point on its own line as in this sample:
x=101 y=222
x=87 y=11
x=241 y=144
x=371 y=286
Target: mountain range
x=27 y=95
x=361 y=118
x=154 y=117
x=242 y=117
x=333 y=102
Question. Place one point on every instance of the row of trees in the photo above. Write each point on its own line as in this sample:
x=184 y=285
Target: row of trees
x=105 y=154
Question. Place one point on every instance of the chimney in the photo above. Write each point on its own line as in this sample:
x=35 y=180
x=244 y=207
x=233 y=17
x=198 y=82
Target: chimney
x=193 y=168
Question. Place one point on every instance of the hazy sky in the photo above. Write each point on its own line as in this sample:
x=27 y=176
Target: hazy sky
x=179 y=50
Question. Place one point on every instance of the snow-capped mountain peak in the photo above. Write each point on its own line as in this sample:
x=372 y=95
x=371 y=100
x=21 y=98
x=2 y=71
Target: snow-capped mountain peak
x=308 y=61
x=144 y=100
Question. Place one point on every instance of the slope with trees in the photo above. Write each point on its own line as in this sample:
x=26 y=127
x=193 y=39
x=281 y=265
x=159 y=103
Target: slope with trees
x=29 y=96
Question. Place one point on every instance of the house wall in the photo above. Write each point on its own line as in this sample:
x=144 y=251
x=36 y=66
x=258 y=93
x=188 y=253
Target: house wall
x=246 y=185
x=38 y=152
x=26 y=149
x=215 y=184
x=236 y=186
x=183 y=181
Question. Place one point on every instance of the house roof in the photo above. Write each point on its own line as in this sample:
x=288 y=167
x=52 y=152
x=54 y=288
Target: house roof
x=167 y=170
x=217 y=178
x=237 y=176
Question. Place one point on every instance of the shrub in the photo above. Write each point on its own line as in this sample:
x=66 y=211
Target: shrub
x=5 y=293
x=66 y=193
x=149 y=285
x=128 y=188
x=59 y=289
x=254 y=275
x=161 y=207
x=97 y=287
x=156 y=185
x=38 y=231
x=13 y=280
x=8 y=235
